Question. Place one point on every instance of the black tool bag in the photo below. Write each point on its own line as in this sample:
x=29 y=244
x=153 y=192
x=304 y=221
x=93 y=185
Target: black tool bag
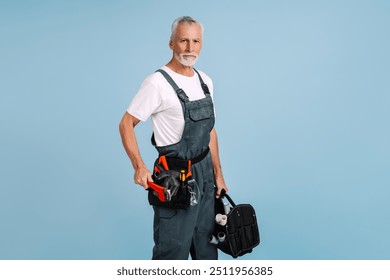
x=241 y=230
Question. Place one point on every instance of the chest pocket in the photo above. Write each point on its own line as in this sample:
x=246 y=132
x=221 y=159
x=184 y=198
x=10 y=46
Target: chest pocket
x=201 y=113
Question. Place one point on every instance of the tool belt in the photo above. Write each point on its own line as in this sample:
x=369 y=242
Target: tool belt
x=172 y=186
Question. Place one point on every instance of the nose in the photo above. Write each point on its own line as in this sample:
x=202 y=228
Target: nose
x=190 y=46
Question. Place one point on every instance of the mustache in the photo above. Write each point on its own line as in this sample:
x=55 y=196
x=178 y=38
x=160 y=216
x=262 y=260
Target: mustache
x=189 y=54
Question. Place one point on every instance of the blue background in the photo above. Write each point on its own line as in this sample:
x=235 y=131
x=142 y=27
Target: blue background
x=302 y=95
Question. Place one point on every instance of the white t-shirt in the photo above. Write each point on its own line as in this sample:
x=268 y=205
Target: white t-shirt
x=157 y=99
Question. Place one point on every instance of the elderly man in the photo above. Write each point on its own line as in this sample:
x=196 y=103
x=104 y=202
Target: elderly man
x=179 y=101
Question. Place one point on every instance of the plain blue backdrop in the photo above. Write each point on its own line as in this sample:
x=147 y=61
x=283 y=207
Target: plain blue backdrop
x=302 y=96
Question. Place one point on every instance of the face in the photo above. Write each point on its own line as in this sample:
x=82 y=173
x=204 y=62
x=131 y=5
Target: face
x=187 y=43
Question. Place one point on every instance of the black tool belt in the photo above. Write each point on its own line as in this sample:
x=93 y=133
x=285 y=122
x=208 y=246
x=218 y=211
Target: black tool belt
x=177 y=163
x=172 y=181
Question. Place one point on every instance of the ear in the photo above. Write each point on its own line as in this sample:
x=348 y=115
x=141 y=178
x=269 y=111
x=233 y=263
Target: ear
x=170 y=44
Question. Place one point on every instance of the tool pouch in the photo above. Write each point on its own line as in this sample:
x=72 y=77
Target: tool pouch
x=174 y=184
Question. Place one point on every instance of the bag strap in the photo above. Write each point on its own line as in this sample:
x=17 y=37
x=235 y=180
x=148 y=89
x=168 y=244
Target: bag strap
x=224 y=194
x=230 y=200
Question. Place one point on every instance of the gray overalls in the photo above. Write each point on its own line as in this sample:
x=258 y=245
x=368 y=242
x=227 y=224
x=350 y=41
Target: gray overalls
x=179 y=232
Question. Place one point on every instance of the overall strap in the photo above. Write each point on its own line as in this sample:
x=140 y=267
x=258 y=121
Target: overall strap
x=180 y=93
x=205 y=88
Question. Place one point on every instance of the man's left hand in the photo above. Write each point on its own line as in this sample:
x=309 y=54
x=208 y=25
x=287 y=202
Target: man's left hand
x=221 y=185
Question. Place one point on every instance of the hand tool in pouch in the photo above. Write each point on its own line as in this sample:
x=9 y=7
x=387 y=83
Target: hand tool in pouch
x=170 y=186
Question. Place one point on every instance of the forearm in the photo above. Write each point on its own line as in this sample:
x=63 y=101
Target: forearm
x=126 y=128
x=214 y=150
x=142 y=174
x=219 y=181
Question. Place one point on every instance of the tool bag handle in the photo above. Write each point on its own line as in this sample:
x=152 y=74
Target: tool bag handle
x=224 y=194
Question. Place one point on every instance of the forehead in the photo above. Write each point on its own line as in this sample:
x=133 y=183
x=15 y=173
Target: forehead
x=190 y=30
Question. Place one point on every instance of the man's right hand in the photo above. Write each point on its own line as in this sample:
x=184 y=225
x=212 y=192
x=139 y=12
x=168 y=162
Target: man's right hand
x=142 y=176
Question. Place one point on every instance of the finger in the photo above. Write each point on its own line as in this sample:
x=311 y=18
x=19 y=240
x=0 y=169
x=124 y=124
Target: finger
x=137 y=181
x=145 y=183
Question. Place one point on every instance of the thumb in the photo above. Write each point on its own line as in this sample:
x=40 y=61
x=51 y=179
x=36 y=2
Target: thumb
x=218 y=193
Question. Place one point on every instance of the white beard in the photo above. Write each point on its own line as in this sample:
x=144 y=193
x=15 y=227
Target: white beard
x=187 y=62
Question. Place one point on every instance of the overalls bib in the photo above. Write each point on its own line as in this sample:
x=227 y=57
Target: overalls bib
x=178 y=232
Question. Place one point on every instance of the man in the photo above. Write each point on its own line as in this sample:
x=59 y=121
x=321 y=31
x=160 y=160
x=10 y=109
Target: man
x=182 y=129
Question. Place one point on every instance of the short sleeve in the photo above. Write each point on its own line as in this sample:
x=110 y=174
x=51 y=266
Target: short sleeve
x=145 y=102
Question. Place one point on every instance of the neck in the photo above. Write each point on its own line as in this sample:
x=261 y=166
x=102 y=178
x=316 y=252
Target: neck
x=179 y=68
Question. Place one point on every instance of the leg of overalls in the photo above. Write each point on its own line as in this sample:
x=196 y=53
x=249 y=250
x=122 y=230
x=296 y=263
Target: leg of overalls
x=172 y=233
x=176 y=231
x=201 y=248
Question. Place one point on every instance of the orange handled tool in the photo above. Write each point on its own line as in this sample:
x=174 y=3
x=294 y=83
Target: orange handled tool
x=162 y=193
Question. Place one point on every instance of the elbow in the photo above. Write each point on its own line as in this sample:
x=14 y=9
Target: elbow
x=122 y=126
x=127 y=122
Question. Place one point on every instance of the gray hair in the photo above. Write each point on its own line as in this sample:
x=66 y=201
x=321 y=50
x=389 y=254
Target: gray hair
x=184 y=19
